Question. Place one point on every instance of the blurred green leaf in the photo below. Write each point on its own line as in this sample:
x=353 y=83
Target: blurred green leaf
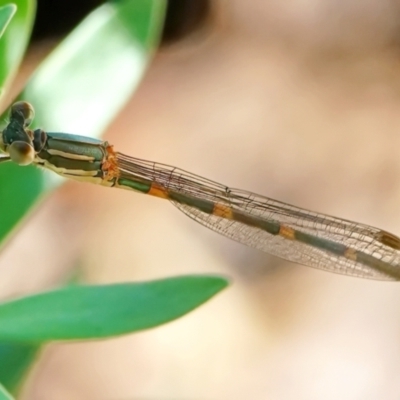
x=15 y=360
x=88 y=312
x=81 y=87
x=6 y=13
x=84 y=83
x=15 y=39
x=17 y=192
x=4 y=395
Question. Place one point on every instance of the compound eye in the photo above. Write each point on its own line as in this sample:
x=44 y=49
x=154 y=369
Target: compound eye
x=21 y=153
x=39 y=139
x=24 y=109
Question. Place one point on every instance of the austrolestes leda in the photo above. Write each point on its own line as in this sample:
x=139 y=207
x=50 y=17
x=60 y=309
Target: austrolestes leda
x=298 y=235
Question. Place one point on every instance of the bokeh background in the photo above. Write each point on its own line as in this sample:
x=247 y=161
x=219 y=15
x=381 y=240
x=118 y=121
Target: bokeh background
x=295 y=100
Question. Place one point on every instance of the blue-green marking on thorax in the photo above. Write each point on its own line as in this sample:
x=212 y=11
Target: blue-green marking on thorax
x=73 y=152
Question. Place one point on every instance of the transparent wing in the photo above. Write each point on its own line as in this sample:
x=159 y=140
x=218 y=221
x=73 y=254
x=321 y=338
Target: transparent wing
x=352 y=235
x=332 y=244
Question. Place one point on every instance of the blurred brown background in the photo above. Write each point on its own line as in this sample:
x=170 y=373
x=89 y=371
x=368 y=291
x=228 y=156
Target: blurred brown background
x=296 y=100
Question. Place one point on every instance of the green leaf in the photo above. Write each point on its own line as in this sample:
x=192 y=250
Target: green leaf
x=81 y=87
x=15 y=39
x=4 y=395
x=89 y=312
x=15 y=360
x=84 y=83
x=6 y=13
x=17 y=193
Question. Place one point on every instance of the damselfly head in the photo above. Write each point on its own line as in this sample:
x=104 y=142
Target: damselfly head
x=16 y=139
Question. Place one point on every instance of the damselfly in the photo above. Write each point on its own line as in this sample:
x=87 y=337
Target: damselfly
x=295 y=234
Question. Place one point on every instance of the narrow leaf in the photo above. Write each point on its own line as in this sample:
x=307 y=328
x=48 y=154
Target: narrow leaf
x=89 y=312
x=15 y=38
x=6 y=13
x=15 y=361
